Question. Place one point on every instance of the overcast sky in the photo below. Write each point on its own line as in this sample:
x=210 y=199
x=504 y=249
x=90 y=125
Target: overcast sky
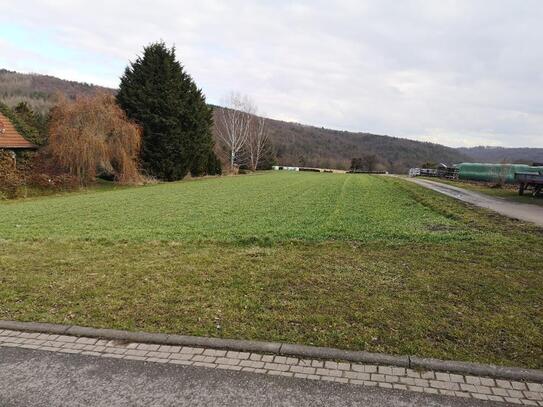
x=460 y=73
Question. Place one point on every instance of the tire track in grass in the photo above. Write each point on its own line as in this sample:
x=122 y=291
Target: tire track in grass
x=298 y=207
x=338 y=203
x=308 y=207
x=278 y=198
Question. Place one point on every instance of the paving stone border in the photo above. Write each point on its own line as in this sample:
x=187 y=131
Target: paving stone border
x=354 y=373
x=283 y=349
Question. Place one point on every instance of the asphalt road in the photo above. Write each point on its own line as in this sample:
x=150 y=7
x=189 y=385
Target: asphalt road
x=38 y=378
x=521 y=211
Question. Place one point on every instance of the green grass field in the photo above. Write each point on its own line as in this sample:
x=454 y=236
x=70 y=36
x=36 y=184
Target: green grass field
x=352 y=261
x=272 y=208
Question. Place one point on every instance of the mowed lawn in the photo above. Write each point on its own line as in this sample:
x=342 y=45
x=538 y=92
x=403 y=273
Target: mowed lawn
x=351 y=261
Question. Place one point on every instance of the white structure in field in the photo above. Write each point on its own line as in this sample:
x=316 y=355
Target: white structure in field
x=414 y=172
x=423 y=172
x=281 y=168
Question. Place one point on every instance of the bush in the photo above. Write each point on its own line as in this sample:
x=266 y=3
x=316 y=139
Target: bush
x=42 y=173
x=34 y=174
x=53 y=183
x=11 y=180
x=214 y=166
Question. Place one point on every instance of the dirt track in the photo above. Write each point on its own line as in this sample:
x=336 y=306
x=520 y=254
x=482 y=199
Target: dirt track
x=521 y=211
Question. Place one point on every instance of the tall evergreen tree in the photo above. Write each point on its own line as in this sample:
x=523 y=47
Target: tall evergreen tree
x=156 y=92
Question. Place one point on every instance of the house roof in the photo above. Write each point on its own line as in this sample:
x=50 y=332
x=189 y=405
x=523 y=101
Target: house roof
x=10 y=137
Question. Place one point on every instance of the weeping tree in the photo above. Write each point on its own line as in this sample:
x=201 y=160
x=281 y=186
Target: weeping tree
x=92 y=135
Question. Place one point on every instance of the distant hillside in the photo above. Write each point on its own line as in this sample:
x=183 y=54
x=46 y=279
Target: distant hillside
x=39 y=90
x=504 y=154
x=295 y=144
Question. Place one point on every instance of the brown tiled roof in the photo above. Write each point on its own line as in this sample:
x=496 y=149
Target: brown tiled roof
x=10 y=137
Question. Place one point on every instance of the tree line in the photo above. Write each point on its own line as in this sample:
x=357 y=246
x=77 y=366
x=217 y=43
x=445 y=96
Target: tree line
x=157 y=126
x=289 y=143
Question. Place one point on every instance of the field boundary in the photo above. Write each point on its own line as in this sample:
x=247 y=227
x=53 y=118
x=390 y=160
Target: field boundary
x=527 y=212
x=284 y=349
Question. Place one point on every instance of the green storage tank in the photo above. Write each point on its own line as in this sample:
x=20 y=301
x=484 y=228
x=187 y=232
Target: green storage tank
x=493 y=172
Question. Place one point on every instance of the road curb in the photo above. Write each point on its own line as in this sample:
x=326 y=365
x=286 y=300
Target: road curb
x=315 y=352
x=300 y=351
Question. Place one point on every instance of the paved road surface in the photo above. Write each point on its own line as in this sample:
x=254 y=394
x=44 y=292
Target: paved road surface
x=522 y=211
x=37 y=378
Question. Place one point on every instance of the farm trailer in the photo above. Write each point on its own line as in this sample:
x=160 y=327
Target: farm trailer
x=530 y=181
x=441 y=172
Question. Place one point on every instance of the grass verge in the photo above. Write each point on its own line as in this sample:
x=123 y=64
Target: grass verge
x=451 y=282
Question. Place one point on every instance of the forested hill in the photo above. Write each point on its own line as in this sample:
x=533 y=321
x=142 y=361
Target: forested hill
x=504 y=154
x=39 y=90
x=298 y=144
x=295 y=144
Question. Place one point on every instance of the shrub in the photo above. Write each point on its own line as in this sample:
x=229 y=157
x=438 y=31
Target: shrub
x=35 y=173
x=11 y=180
x=214 y=166
x=43 y=173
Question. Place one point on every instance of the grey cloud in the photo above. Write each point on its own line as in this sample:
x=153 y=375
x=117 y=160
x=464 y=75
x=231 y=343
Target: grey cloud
x=458 y=72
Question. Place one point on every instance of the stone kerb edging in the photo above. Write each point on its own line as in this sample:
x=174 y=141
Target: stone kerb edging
x=301 y=351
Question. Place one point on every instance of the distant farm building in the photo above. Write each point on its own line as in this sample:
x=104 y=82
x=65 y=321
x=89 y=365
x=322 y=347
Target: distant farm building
x=10 y=139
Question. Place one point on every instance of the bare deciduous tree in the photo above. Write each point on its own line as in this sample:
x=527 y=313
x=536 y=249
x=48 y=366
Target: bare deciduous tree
x=258 y=142
x=235 y=124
